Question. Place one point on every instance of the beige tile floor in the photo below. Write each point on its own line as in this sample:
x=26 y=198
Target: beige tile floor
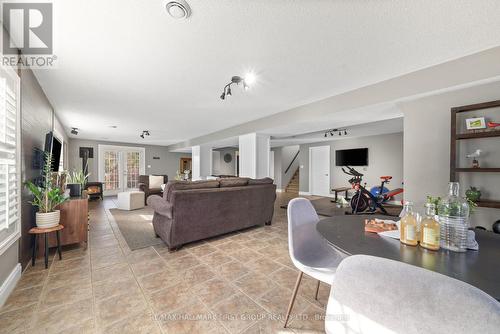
x=238 y=283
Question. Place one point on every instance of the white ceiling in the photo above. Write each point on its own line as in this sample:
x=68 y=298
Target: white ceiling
x=127 y=63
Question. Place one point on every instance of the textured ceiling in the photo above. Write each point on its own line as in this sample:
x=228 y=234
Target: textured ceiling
x=127 y=63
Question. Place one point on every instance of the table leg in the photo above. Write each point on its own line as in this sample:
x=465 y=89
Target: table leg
x=347 y=195
x=336 y=196
x=46 y=251
x=33 y=255
x=58 y=245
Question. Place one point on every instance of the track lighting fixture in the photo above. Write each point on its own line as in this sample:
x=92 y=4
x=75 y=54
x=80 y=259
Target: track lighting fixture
x=339 y=132
x=74 y=131
x=247 y=81
x=144 y=133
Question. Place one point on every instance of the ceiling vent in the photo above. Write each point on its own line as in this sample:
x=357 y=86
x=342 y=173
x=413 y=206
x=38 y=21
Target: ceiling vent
x=178 y=9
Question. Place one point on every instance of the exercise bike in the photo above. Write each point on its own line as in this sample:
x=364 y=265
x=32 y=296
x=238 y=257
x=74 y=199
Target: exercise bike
x=363 y=201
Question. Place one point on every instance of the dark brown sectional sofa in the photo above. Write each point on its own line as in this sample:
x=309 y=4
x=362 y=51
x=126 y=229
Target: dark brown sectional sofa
x=191 y=211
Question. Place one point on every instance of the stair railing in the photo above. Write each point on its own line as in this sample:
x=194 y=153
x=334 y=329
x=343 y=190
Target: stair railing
x=290 y=165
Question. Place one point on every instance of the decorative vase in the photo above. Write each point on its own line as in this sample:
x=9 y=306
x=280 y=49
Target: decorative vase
x=75 y=189
x=454 y=220
x=47 y=220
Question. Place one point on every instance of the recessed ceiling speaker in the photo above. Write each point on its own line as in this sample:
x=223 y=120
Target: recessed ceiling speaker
x=178 y=9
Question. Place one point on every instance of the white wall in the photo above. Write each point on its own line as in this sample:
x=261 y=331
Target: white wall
x=385 y=157
x=427 y=148
x=263 y=149
x=248 y=155
x=226 y=168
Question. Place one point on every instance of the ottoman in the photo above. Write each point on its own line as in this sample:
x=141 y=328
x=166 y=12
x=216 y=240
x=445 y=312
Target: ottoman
x=131 y=200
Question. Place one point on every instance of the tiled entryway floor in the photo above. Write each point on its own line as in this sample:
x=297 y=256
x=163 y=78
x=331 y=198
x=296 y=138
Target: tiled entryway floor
x=239 y=283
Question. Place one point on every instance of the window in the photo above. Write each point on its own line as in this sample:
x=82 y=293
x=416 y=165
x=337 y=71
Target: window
x=10 y=184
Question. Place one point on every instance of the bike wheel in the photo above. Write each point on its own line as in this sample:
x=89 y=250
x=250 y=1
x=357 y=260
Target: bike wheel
x=359 y=203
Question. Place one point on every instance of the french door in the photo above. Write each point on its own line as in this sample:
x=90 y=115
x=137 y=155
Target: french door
x=120 y=167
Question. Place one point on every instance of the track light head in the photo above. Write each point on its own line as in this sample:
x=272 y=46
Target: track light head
x=345 y=132
x=141 y=135
x=74 y=131
x=326 y=134
x=247 y=81
x=236 y=79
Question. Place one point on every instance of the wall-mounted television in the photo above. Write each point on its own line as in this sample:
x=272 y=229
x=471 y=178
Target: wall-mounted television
x=352 y=157
x=54 y=146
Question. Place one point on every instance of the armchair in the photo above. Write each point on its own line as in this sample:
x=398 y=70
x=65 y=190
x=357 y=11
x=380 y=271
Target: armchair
x=154 y=189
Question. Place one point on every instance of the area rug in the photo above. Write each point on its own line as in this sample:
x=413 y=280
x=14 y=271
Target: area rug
x=324 y=207
x=136 y=227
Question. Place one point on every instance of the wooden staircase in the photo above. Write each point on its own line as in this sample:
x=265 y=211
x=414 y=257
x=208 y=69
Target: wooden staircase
x=293 y=185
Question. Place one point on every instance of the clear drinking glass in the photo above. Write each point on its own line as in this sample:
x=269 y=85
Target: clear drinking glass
x=453 y=214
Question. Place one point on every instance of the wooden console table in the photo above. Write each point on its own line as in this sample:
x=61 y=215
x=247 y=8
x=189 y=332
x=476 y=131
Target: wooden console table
x=75 y=218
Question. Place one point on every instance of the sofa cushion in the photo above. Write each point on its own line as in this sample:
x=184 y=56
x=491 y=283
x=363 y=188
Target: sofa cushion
x=233 y=182
x=185 y=185
x=265 y=180
x=155 y=181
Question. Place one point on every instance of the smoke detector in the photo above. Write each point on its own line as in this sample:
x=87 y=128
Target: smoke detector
x=178 y=9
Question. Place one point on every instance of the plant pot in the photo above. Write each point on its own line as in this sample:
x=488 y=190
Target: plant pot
x=75 y=189
x=47 y=220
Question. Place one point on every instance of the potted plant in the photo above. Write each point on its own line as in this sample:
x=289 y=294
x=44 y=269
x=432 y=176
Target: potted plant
x=76 y=181
x=46 y=197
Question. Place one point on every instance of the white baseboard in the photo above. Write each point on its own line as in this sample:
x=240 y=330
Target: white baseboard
x=304 y=193
x=9 y=284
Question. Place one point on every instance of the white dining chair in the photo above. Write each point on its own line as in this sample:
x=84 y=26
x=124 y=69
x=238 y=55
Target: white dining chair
x=309 y=252
x=377 y=295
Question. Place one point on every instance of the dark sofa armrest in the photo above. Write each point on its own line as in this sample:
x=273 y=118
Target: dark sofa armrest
x=160 y=206
x=143 y=187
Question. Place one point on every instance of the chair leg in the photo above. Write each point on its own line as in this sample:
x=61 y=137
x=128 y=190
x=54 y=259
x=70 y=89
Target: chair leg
x=294 y=295
x=317 y=290
x=34 y=251
x=58 y=245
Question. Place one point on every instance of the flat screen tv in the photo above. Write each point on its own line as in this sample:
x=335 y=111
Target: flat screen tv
x=352 y=157
x=54 y=146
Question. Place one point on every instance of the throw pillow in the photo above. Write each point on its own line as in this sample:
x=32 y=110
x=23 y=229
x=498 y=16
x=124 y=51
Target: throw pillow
x=233 y=182
x=155 y=181
x=265 y=180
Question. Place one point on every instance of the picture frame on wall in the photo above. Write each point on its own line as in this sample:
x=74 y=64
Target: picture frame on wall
x=476 y=123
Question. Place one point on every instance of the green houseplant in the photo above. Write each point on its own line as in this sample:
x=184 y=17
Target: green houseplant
x=76 y=181
x=46 y=197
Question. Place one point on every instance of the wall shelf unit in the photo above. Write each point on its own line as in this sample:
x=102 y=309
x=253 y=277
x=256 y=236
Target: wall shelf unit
x=455 y=170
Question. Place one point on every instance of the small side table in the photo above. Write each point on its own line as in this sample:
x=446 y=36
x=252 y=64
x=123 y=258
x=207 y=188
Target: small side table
x=341 y=189
x=35 y=231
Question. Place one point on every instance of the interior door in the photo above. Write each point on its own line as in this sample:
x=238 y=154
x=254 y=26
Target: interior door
x=319 y=170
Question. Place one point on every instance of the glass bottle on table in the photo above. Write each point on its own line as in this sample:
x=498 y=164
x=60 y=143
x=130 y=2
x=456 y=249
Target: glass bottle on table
x=408 y=226
x=429 y=229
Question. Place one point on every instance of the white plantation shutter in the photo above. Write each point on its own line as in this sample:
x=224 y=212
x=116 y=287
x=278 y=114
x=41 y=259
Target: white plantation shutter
x=9 y=156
